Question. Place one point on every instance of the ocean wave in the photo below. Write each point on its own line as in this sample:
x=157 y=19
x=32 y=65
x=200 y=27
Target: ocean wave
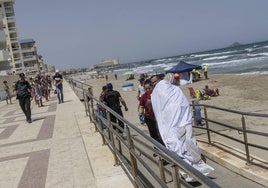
x=213 y=54
x=232 y=63
x=255 y=73
x=259 y=54
x=215 y=58
x=249 y=49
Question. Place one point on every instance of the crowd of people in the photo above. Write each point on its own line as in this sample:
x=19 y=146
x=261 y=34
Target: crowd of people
x=34 y=89
x=166 y=112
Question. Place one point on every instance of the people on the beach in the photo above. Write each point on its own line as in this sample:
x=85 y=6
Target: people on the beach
x=115 y=76
x=58 y=79
x=196 y=75
x=176 y=79
x=146 y=110
x=174 y=119
x=24 y=95
x=113 y=99
x=7 y=92
x=106 y=78
x=205 y=71
x=211 y=92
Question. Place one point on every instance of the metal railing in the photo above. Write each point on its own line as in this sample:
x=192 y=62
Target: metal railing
x=141 y=157
x=237 y=126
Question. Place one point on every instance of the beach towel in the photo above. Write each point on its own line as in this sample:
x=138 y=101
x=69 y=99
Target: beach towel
x=174 y=119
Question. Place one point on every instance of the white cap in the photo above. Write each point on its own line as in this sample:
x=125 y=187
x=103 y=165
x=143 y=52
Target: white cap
x=57 y=70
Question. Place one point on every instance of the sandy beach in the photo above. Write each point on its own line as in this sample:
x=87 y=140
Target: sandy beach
x=246 y=93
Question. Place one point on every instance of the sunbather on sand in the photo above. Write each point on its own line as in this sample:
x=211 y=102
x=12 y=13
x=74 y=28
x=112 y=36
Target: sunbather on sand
x=211 y=92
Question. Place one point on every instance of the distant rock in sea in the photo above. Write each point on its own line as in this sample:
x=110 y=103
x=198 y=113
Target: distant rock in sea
x=235 y=44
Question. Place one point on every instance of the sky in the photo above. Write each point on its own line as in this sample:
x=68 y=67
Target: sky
x=81 y=33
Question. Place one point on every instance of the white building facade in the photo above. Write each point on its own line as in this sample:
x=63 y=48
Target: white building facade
x=11 y=34
x=5 y=68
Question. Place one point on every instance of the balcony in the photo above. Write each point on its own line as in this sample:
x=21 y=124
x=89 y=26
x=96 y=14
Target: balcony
x=17 y=60
x=13 y=40
x=18 y=65
x=15 y=50
x=29 y=58
x=26 y=50
x=12 y=30
x=11 y=19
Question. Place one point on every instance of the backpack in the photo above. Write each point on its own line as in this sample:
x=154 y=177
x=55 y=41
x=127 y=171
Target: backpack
x=112 y=99
x=22 y=89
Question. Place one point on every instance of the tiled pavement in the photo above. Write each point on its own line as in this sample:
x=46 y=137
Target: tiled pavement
x=58 y=149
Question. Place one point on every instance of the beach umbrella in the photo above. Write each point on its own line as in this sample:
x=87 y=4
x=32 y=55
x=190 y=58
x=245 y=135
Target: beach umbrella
x=128 y=73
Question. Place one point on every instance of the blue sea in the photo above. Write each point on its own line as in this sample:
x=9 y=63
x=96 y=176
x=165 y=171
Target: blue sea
x=242 y=59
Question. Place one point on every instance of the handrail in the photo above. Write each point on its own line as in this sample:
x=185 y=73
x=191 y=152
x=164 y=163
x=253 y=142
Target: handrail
x=235 y=111
x=240 y=130
x=129 y=151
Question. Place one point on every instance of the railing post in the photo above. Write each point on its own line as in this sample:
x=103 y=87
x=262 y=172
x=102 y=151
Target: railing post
x=91 y=101
x=132 y=157
x=85 y=102
x=175 y=177
x=245 y=139
x=89 y=97
x=101 y=128
x=161 y=169
x=207 y=125
x=111 y=136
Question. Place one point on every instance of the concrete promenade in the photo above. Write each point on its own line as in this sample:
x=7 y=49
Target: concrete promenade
x=60 y=148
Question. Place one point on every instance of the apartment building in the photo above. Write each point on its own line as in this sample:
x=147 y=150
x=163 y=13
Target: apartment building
x=12 y=39
x=30 y=57
x=4 y=55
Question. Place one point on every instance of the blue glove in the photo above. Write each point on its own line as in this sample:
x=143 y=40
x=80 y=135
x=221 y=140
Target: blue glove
x=141 y=118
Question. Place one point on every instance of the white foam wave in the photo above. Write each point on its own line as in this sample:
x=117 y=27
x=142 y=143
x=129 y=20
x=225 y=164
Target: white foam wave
x=259 y=54
x=215 y=58
x=249 y=49
x=212 y=54
x=255 y=73
x=237 y=62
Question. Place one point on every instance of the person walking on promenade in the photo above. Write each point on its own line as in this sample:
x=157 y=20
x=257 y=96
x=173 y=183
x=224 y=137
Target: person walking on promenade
x=174 y=119
x=141 y=91
x=58 y=79
x=6 y=89
x=147 y=112
x=113 y=99
x=205 y=71
x=24 y=94
x=102 y=111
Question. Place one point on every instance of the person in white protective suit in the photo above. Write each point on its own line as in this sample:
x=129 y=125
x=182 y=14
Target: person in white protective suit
x=174 y=119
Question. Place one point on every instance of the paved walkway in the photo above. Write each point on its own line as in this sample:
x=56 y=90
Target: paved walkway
x=58 y=149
